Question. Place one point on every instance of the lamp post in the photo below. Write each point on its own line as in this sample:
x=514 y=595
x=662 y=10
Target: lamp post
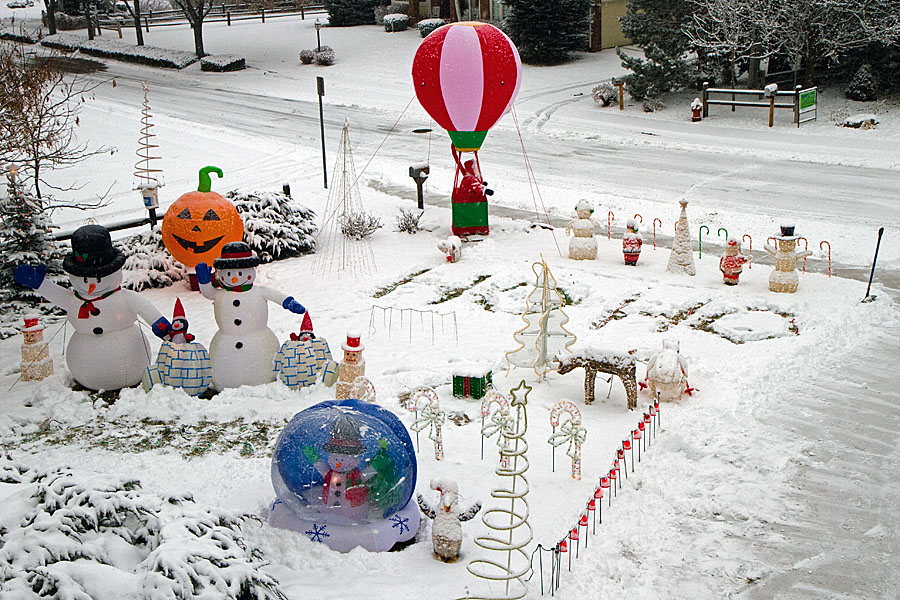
x=318 y=40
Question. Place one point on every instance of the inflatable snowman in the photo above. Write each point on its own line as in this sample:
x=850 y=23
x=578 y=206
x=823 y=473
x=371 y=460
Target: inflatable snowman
x=108 y=350
x=243 y=349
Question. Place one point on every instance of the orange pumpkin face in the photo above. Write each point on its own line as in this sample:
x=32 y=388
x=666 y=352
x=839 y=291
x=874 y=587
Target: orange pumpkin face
x=198 y=224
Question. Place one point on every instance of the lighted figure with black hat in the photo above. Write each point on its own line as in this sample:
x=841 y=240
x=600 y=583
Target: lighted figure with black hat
x=243 y=349
x=784 y=278
x=108 y=350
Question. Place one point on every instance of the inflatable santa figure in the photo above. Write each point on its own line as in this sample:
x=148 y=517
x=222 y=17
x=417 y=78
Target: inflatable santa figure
x=108 y=350
x=732 y=262
x=243 y=349
x=631 y=243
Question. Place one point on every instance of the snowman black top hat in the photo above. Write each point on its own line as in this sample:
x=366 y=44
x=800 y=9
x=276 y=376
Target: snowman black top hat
x=93 y=254
x=345 y=437
x=236 y=255
x=787 y=233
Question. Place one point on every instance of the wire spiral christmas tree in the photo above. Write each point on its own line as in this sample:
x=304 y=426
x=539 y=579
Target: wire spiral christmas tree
x=510 y=532
x=338 y=250
x=147 y=148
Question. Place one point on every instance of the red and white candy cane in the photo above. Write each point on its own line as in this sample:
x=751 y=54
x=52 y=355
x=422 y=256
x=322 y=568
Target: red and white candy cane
x=571 y=432
x=829 y=254
x=610 y=217
x=639 y=218
x=500 y=419
x=431 y=416
x=363 y=389
x=805 y=247
x=414 y=401
x=750 y=246
x=654 y=230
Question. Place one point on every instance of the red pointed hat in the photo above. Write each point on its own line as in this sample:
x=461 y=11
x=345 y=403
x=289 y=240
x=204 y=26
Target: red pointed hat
x=353 y=343
x=178 y=313
x=306 y=326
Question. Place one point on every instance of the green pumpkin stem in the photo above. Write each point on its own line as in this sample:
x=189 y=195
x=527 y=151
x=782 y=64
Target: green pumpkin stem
x=205 y=183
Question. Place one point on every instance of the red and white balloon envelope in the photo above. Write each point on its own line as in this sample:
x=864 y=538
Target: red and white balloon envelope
x=344 y=473
x=466 y=77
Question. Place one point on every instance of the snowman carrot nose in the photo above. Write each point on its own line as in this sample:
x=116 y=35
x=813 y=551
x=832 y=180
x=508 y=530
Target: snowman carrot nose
x=234 y=280
x=91 y=288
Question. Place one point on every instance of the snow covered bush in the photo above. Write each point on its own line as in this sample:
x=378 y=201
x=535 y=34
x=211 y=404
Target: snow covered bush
x=359 y=225
x=426 y=26
x=147 y=55
x=408 y=221
x=307 y=56
x=605 y=94
x=148 y=263
x=67 y=22
x=223 y=63
x=865 y=121
x=653 y=105
x=325 y=56
x=20 y=34
x=398 y=8
x=864 y=86
x=71 y=537
x=395 y=22
x=275 y=226
x=347 y=13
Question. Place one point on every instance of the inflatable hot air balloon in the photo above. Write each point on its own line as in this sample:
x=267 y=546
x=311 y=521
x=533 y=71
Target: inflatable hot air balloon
x=466 y=77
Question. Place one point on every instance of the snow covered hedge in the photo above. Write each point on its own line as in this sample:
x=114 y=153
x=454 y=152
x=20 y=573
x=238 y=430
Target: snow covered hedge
x=275 y=226
x=147 y=55
x=148 y=263
x=74 y=537
x=395 y=22
x=223 y=63
x=426 y=26
x=20 y=34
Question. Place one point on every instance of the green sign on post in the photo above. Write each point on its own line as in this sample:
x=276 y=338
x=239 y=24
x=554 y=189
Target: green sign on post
x=807 y=98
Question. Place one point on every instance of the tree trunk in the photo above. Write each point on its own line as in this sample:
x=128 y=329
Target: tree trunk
x=90 y=18
x=137 y=23
x=198 y=38
x=413 y=12
x=51 y=16
x=754 y=77
x=37 y=178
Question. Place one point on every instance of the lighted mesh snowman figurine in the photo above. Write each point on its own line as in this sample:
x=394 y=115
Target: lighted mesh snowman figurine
x=784 y=278
x=583 y=246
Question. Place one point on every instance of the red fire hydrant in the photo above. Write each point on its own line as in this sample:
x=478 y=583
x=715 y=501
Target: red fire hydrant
x=696 y=110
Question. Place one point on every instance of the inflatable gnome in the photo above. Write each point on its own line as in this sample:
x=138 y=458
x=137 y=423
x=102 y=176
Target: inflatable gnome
x=181 y=362
x=732 y=262
x=784 y=278
x=108 y=350
x=631 y=243
x=243 y=349
x=345 y=374
x=583 y=246
x=446 y=532
x=301 y=358
x=667 y=373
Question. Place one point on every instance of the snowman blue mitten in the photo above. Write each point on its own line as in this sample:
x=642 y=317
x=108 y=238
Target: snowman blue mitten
x=204 y=273
x=293 y=306
x=160 y=327
x=29 y=276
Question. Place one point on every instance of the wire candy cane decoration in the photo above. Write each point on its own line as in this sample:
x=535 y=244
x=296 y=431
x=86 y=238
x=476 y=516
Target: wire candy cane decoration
x=571 y=432
x=500 y=421
x=431 y=416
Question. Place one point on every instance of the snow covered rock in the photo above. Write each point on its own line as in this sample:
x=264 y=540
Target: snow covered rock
x=861 y=121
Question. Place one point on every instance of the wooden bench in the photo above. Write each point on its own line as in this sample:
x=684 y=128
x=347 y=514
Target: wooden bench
x=594 y=361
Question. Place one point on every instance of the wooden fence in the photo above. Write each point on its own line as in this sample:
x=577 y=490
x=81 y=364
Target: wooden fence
x=220 y=13
x=762 y=100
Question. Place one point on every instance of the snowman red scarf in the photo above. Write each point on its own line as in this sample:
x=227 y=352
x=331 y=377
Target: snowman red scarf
x=87 y=307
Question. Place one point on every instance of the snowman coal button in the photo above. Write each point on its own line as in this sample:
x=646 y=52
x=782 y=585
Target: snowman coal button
x=95 y=311
x=98 y=330
x=237 y=321
x=236 y=303
x=239 y=345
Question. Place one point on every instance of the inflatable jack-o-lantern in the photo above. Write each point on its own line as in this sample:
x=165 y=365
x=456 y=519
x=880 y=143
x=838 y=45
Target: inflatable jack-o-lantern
x=199 y=224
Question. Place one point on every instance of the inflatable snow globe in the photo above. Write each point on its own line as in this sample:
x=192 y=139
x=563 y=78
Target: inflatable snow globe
x=344 y=473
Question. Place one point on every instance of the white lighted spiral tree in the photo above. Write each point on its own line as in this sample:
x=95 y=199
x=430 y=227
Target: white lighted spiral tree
x=148 y=149
x=509 y=530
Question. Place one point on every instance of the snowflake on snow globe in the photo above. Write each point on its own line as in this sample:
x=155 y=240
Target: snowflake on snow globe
x=344 y=473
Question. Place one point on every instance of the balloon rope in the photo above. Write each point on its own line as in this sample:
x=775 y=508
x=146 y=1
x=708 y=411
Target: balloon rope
x=532 y=181
x=352 y=185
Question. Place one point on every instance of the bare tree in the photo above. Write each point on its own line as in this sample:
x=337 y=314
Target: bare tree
x=40 y=107
x=195 y=11
x=136 y=16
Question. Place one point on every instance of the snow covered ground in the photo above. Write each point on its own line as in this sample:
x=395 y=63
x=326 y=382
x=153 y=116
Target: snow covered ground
x=776 y=479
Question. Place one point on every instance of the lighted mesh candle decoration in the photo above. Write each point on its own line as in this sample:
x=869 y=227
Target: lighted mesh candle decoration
x=36 y=361
x=571 y=432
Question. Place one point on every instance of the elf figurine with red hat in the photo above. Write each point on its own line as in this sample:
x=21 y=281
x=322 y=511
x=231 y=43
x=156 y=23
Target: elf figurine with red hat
x=108 y=350
x=301 y=358
x=732 y=262
x=243 y=349
x=353 y=366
